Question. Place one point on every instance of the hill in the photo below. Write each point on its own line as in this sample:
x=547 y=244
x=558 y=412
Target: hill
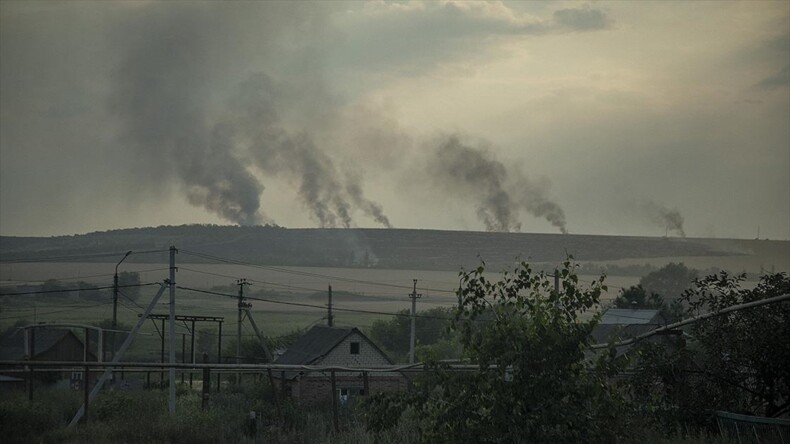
x=388 y=248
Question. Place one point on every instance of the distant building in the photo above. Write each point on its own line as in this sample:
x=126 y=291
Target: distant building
x=621 y=324
x=336 y=346
x=48 y=344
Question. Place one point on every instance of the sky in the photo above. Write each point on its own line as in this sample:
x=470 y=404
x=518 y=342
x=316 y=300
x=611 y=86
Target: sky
x=617 y=118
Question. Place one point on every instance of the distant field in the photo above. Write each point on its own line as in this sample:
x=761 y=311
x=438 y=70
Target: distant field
x=372 y=270
x=370 y=290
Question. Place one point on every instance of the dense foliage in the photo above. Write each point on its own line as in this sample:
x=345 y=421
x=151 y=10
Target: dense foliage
x=734 y=362
x=746 y=353
x=433 y=337
x=660 y=289
x=533 y=381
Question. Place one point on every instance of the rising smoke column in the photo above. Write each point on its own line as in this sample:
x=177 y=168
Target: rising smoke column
x=533 y=198
x=158 y=94
x=466 y=171
x=165 y=93
x=499 y=193
x=667 y=218
x=328 y=195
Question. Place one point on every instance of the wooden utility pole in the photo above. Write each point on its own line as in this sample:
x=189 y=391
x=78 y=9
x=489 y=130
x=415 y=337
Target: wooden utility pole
x=172 y=332
x=413 y=296
x=329 y=318
x=242 y=306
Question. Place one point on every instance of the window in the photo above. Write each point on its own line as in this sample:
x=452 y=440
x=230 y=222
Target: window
x=355 y=348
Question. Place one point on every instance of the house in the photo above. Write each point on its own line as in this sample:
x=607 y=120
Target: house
x=621 y=324
x=47 y=344
x=336 y=346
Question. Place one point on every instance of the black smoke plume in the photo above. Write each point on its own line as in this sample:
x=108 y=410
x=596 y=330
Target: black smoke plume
x=328 y=195
x=668 y=218
x=499 y=193
x=163 y=89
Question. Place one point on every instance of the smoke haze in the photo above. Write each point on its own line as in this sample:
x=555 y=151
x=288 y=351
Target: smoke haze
x=499 y=193
x=668 y=218
x=326 y=114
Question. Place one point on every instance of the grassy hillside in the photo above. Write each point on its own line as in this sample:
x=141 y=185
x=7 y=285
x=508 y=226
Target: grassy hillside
x=394 y=248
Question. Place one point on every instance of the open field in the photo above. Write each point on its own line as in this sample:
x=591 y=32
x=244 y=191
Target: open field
x=369 y=270
x=374 y=290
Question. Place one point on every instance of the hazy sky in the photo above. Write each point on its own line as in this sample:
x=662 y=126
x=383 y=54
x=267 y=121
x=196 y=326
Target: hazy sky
x=631 y=118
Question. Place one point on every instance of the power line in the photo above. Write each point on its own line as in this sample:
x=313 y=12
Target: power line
x=71 y=278
x=306 y=273
x=55 y=312
x=301 y=304
x=66 y=290
x=74 y=256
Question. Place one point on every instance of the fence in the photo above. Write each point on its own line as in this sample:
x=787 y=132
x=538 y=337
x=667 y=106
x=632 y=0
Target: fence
x=745 y=429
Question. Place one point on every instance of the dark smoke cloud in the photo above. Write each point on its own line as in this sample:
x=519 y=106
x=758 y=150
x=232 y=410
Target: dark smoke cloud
x=160 y=94
x=668 y=218
x=534 y=200
x=329 y=196
x=499 y=193
x=163 y=91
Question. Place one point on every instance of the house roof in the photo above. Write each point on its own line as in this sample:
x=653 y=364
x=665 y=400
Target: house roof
x=317 y=343
x=620 y=324
x=625 y=316
x=12 y=345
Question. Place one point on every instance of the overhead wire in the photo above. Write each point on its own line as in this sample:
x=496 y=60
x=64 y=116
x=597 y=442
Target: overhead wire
x=322 y=307
x=306 y=273
x=74 y=256
x=66 y=290
x=55 y=312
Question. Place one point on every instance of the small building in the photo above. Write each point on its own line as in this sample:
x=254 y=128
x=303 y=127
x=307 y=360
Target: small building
x=47 y=344
x=621 y=324
x=336 y=346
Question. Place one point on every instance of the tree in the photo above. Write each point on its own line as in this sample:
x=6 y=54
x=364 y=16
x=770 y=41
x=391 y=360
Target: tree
x=535 y=380
x=125 y=280
x=670 y=281
x=637 y=297
x=744 y=353
x=432 y=328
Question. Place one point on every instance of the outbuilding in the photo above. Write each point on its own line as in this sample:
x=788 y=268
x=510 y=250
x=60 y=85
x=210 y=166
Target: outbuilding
x=341 y=347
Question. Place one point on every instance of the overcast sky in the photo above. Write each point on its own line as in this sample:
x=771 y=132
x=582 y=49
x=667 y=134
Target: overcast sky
x=625 y=118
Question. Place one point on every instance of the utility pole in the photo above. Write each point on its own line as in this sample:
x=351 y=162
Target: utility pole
x=329 y=318
x=414 y=295
x=242 y=306
x=172 y=332
x=115 y=301
x=557 y=281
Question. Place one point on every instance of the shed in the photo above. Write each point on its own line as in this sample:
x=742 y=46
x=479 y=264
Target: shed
x=49 y=344
x=621 y=323
x=336 y=346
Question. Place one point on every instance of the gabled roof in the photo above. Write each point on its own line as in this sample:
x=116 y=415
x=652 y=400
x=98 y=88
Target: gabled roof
x=316 y=343
x=12 y=345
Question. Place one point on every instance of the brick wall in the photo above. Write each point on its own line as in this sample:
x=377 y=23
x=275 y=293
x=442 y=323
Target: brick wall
x=317 y=389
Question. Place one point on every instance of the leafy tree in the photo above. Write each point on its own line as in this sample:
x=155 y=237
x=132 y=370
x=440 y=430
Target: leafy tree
x=534 y=381
x=432 y=327
x=129 y=278
x=89 y=293
x=670 y=281
x=744 y=353
x=637 y=297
